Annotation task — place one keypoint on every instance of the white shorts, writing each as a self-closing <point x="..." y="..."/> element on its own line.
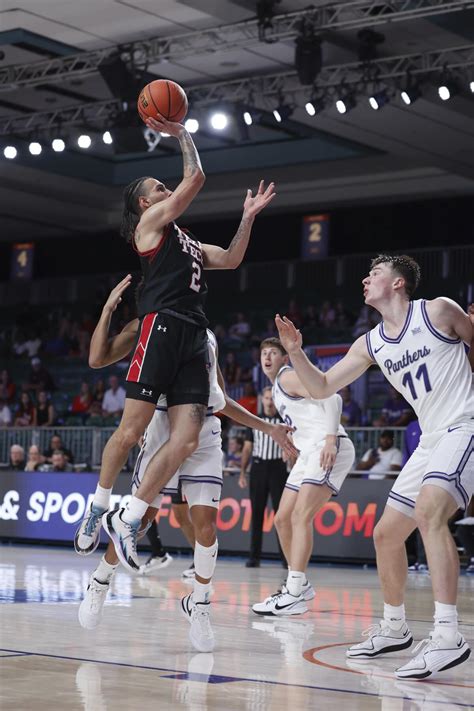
<point x="308" y="470"/>
<point x="443" y="459"/>
<point x="200" y="475"/>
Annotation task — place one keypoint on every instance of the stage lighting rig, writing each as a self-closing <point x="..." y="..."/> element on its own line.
<point x="265" y="13"/>
<point x="308" y="55"/>
<point x="368" y="43"/>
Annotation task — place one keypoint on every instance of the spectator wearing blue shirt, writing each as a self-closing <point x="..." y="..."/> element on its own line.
<point x="351" y="414"/>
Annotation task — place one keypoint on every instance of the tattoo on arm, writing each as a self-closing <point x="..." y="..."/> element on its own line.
<point x="243" y="232"/>
<point x="191" y="160"/>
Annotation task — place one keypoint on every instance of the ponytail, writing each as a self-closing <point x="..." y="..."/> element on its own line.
<point x="131" y="210"/>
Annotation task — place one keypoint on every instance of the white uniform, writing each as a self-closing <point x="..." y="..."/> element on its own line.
<point x="200" y="475"/>
<point x="432" y="372"/>
<point x="313" y="420"/>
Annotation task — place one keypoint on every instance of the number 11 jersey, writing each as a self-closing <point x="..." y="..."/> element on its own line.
<point x="430" y="369"/>
<point x="174" y="278"/>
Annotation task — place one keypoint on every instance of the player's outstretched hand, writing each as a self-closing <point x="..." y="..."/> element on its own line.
<point x="290" y="337"/>
<point x="115" y="296"/>
<point x="328" y="456"/>
<point x="161" y="125"/>
<point x="255" y="203"/>
<point x="279" y="434"/>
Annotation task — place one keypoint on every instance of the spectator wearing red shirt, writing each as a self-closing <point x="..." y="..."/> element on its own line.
<point x="249" y="399"/>
<point x="82" y="402"/>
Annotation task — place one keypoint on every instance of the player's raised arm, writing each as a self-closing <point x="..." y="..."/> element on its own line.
<point x="321" y="385"/>
<point x="160" y="214"/>
<point x="104" y="350"/>
<point x="218" y="258"/>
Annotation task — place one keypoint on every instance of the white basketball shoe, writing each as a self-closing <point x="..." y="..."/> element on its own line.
<point x="381" y="639"/>
<point x="435" y="654"/>
<point x="198" y="615"/>
<point x="281" y="604"/>
<point x="90" y="609"/>
<point x="87" y="536"/>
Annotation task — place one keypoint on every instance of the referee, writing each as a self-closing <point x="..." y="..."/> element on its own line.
<point x="268" y="475"/>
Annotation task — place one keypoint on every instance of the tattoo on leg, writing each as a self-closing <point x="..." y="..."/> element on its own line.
<point x="198" y="413"/>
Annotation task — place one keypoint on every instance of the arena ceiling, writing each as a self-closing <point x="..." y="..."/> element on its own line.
<point x="53" y="83"/>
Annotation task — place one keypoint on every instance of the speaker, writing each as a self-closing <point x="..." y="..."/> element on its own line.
<point x="120" y="80"/>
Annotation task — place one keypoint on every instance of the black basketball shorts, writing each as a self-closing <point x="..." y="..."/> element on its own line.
<point x="171" y="357"/>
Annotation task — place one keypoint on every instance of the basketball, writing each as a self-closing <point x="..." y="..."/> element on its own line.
<point x="164" y="97"/>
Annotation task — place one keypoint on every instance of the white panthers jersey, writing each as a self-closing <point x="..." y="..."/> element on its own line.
<point x="308" y="417"/>
<point x="216" y="396"/>
<point x="427" y="367"/>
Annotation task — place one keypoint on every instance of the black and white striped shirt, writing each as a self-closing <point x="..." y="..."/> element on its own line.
<point x="264" y="446"/>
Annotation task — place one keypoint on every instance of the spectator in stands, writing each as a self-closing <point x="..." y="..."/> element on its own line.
<point x="327" y="315"/>
<point x="384" y="459"/>
<point x="396" y="412"/>
<point x="45" y="414"/>
<point x="240" y="330"/>
<point x="343" y="318"/>
<point x="269" y="331"/>
<point x="294" y="313"/>
<point x="311" y="317"/>
<point x="366" y="320"/>
<point x="114" y="399"/>
<point x="35" y="459"/>
<point x="81" y="403"/>
<point x="231" y="370"/>
<point x="39" y="378"/>
<point x="98" y="392"/>
<point x="415" y="541"/>
<point x="25" y="415"/>
<point x="60" y="463"/>
<point x="7" y="388"/>
<point x="249" y="399"/>
<point x="351" y="414"/>
<point x="30" y="346"/>
<point x="56" y="444"/>
<point x="17" y="457"/>
<point x="5" y="413"/>
<point x="234" y="453"/>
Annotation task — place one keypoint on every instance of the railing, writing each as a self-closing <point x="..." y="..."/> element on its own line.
<point x="87" y="443"/>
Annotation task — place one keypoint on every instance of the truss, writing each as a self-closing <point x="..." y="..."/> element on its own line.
<point x="259" y="91"/>
<point x="344" y="15"/>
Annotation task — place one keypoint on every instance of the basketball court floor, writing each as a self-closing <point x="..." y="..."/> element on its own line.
<point x="140" y="657"/>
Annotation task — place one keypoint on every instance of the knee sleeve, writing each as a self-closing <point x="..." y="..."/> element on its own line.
<point x="205" y="560"/>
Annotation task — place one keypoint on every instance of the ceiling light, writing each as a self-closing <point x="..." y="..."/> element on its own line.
<point x="411" y="91"/>
<point x="219" y="121"/>
<point x="310" y="109"/>
<point x="107" y="138"/>
<point x="447" y="89"/>
<point x="277" y="115"/>
<point x="283" y="111"/>
<point x="191" y="125"/>
<point x="84" y="141"/>
<point x="471" y="86"/>
<point x="58" y="145"/>
<point x="346" y="103"/>
<point x="35" y="148"/>
<point x="379" y="99"/>
<point x="10" y="152"/>
<point x="248" y="118"/>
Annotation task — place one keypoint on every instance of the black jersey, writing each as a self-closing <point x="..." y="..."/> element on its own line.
<point x="174" y="282"/>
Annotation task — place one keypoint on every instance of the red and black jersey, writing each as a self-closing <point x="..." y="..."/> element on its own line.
<point x="174" y="282"/>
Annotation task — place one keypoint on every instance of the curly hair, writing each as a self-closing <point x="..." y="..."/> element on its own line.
<point x="131" y="210"/>
<point x="404" y="266"/>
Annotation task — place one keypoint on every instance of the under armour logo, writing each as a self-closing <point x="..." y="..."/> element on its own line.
<point x="162" y="328"/>
<point x="149" y="393"/>
<point x="416" y="331"/>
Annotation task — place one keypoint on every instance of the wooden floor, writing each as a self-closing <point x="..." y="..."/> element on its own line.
<point x="140" y="657"/>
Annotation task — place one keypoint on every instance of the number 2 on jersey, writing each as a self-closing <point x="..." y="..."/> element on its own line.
<point x="422" y="372"/>
<point x="195" y="284"/>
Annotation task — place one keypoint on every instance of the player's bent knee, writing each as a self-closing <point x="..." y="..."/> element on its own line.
<point x="428" y="517"/>
<point x="127" y="436"/>
<point x="206" y="533"/>
<point x="301" y="516"/>
<point x="385" y="535"/>
<point x="281" y="520"/>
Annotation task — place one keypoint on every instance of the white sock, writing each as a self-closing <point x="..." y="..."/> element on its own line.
<point x="104" y="571"/>
<point x="102" y="497"/>
<point x="201" y="591"/>
<point x="394" y="615"/>
<point x="445" y="621"/>
<point x="205" y="558"/>
<point x="294" y="582"/>
<point x="135" y="510"/>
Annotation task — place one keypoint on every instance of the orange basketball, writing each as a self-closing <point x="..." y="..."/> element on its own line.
<point x="164" y="97"/>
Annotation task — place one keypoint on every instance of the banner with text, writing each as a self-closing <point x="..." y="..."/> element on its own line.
<point x="49" y="506"/>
